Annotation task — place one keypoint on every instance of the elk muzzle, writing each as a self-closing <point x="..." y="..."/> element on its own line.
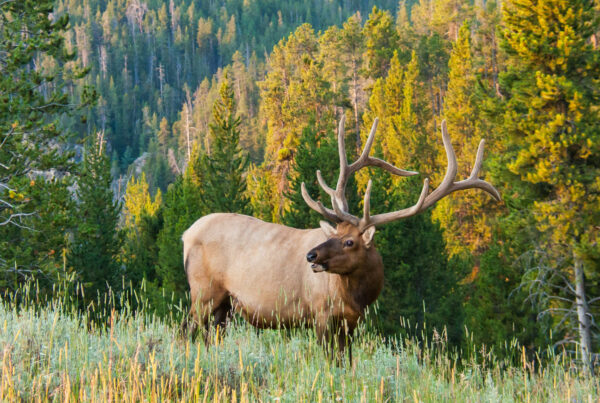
<point x="311" y="257"/>
<point x="320" y="255"/>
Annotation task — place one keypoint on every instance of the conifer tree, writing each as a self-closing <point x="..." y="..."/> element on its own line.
<point x="421" y="286"/>
<point x="263" y="194"/>
<point x="466" y="216"/>
<point x="381" y="42"/>
<point x="316" y="151"/>
<point x="294" y="90"/>
<point x="33" y="158"/>
<point x="143" y="221"/>
<point x="551" y="121"/>
<point x="138" y="200"/>
<point x="224" y="187"/>
<point x="352" y="43"/>
<point x="182" y="207"/>
<point x="97" y="241"/>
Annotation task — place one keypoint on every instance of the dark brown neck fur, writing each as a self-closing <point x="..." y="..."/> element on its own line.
<point x="362" y="287"/>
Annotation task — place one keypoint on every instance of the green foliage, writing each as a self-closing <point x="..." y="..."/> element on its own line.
<point x="316" y="151"/>
<point x="143" y="222"/>
<point x="182" y="207"/>
<point x="381" y="41"/>
<point x="141" y="249"/>
<point x="550" y="120"/>
<point x="552" y="84"/>
<point x="93" y="253"/>
<point x="223" y="168"/>
<point x="496" y="310"/>
<point x="421" y="285"/>
<point x="34" y="201"/>
<point x="37" y="250"/>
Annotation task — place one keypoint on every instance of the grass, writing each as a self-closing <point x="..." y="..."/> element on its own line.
<point x="51" y="353"/>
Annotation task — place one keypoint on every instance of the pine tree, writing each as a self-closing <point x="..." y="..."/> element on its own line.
<point x="294" y="91"/>
<point x="421" y="286"/>
<point x="352" y="44"/>
<point x="37" y="253"/>
<point x="97" y="241"/>
<point x="33" y="159"/>
<point x="182" y="207"/>
<point x="138" y="201"/>
<point x="466" y="216"/>
<point x="381" y="42"/>
<point x="143" y="221"/>
<point x="420" y="283"/>
<point x="316" y="151"/>
<point x="224" y="188"/>
<point x="551" y="122"/>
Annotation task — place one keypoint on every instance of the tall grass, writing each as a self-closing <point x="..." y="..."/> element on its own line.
<point x="51" y="352"/>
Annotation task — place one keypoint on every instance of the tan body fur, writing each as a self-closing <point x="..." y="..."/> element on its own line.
<point x="260" y="270"/>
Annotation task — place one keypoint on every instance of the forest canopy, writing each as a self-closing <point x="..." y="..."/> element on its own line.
<point x="123" y="122"/>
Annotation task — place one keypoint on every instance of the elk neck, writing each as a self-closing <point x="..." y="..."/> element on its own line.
<point x="361" y="287"/>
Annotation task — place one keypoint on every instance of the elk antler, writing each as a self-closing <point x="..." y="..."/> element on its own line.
<point x="338" y="198"/>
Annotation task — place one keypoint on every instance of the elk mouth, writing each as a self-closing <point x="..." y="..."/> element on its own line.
<point x="319" y="267"/>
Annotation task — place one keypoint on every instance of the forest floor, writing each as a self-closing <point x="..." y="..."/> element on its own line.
<point x="49" y="353"/>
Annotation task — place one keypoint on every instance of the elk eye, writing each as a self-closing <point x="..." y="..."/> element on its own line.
<point x="349" y="243"/>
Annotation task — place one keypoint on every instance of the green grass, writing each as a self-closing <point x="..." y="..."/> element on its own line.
<point x="50" y="353"/>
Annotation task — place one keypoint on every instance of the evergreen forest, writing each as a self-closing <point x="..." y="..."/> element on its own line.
<point x="122" y="122"/>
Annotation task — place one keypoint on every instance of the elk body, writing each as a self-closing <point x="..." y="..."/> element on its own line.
<point x="275" y="275"/>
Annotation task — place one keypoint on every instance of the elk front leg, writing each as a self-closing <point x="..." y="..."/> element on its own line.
<point x="335" y="334"/>
<point x="343" y="332"/>
<point x="344" y="340"/>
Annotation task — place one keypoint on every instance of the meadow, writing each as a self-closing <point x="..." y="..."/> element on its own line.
<point x="50" y="351"/>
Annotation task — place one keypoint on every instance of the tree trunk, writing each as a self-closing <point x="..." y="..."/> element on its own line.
<point x="355" y="103"/>
<point x="583" y="315"/>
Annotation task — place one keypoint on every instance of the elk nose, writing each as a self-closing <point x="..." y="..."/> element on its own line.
<point x="311" y="256"/>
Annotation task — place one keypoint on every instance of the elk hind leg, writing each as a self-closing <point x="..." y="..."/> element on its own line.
<point x="222" y="314"/>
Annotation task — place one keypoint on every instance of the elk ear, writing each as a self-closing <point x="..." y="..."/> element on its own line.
<point x="368" y="235"/>
<point x="327" y="229"/>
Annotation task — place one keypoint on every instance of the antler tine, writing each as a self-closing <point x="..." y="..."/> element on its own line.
<point x="478" y="160"/>
<point x="367" y="149"/>
<point x="340" y="188"/>
<point x="318" y="206"/>
<point x="342" y="142"/>
<point x="367" y="203"/>
<point x="343" y="215"/>
<point x="381" y="219"/>
<point x="324" y="185"/>
<point x="365" y="160"/>
<point x="474" y="181"/>
<point x="446" y="187"/>
<point x="450" y="170"/>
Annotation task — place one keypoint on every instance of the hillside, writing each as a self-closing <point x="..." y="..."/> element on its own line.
<point x="122" y="122"/>
<point x="48" y="354"/>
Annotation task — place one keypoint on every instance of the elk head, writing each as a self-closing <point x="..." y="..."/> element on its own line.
<point x="349" y="246"/>
<point x="345" y="250"/>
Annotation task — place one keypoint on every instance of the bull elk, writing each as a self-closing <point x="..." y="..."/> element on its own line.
<point x="277" y="276"/>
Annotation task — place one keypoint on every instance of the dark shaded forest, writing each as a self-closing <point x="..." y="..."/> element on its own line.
<point x="124" y="121"/>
